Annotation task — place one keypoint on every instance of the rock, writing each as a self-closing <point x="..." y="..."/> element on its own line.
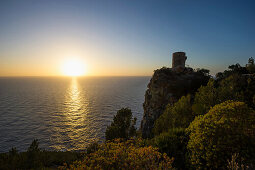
<point x="167" y="86"/>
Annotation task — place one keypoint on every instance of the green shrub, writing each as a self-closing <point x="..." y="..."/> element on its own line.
<point x="177" y="116"/>
<point x="232" y="88"/>
<point x="35" y="158"/>
<point x="123" y="126"/>
<point x="251" y="66"/>
<point x="93" y="147"/>
<point x="122" y="154"/>
<point x="226" y="129"/>
<point x="174" y="144"/>
<point x="205" y="98"/>
<point x="236" y="163"/>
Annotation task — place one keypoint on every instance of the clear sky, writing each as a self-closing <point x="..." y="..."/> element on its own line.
<point x="118" y="37"/>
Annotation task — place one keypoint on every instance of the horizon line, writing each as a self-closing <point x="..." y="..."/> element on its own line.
<point x="79" y="76"/>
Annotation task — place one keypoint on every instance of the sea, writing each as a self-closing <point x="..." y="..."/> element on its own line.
<point x="64" y="113"/>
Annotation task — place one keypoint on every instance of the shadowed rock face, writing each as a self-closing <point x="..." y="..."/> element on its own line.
<point x="167" y="86"/>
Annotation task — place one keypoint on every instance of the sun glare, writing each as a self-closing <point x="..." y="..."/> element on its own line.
<point x="73" y="68"/>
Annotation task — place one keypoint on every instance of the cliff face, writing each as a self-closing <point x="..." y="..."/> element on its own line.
<point x="167" y="86"/>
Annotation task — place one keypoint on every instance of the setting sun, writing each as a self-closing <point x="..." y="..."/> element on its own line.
<point x="73" y="67"/>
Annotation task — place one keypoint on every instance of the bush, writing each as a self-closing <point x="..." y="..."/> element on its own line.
<point x="93" y="147"/>
<point x="205" y="98"/>
<point x="251" y="66"/>
<point x="36" y="158"/>
<point x="235" y="163"/>
<point x="177" y="116"/>
<point x="130" y="154"/>
<point x="232" y="88"/>
<point x="174" y="144"/>
<point x="123" y="126"/>
<point x="203" y="71"/>
<point x="226" y="129"/>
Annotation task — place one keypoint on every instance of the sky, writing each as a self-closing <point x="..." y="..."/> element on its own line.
<point x="123" y="38"/>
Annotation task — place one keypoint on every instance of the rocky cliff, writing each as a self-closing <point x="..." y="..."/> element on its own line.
<point x="167" y="86"/>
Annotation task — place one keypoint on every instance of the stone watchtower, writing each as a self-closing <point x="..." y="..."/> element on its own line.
<point x="178" y="60"/>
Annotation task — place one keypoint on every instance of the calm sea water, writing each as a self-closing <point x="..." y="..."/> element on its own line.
<point x="64" y="113"/>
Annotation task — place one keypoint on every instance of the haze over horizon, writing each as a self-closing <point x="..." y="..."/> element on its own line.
<point x="122" y="38"/>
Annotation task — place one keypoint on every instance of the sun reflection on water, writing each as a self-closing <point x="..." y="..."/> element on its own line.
<point x="76" y="114"/>
<point x="74" y="97"/>
<point x="72" y="130"/>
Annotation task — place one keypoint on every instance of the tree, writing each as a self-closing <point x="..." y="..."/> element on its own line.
<point x="251" y="61"/>
<point x="251" y="66"/>
<point x="123" y="126"/>
<point x="205" y="98"/>
<point x="226" y="129"/>
<point x="232" y="88"/>
<point x="203" y="71"/>
<point x="33" y="155"/>
<point x="178" y="115"/>
<point x="34" y="147"/>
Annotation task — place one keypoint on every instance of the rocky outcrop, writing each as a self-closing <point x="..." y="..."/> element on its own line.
<point x="167" y="86"/>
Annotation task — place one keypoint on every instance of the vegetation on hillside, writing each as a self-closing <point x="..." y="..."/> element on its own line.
<point x="218" y="122"/>
<point x="36" y="158"/>
<point x="225" y="130"/>
<point x="178" y="115"/>
<point x="124" y="154"/>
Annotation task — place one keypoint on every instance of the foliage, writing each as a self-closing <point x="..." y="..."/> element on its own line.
<point x="118" y="154"/>
<point x="205" y="98"/>
<point x="93" y="147"/>
<point x="203" y="71"/>
<point x="251" y="66"/>
<point x="251" y="61"/>
<point x="33" y="155"/>
<point x="233" y="164"/>
<point x="232" y="69"/>
<point x="234" y="87"/>
<point x="34" y="147"/>
<point x="226" y="129"/>
<point x="237" y="87"/>
<point x="164" y="70"/>
<point x="123" y="126"/>
<point x="237" y="69"/>
<point x="35" y="158"/>
<point x="173" y="143"/>
<point x="178" y="115"/>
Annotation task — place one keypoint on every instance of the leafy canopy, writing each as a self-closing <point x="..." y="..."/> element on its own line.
<point x="226" y="129"/>
<point x="173" y="143"/>
<point x="123" y="126"/>
<point x="130" y="154"/>
<point x="178" y="115"/>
